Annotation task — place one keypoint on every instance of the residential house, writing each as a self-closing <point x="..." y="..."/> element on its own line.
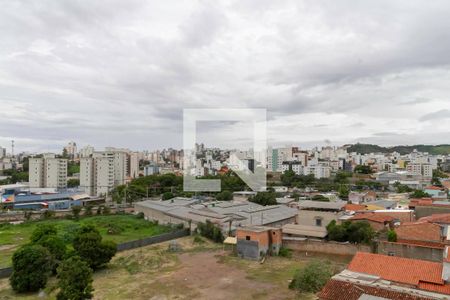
<point x="378" y="221"/>
<point x="420" y="233"/>
<point x="436" y="192"/>
<point x="375" y="276"/>
<point x="361" y="197"/>
<point x="255" y="242"/>
<point x="319" y="213"/>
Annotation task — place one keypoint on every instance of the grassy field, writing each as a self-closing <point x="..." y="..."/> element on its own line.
<point x="127" y="228"/>
<point x="197" y="271"/>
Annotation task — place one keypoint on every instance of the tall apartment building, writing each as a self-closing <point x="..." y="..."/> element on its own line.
<point x="48" y="172"/>
<point x="426" y="170"/>
<point x="2" y="152"/>
<point x="71" y="149"/>
<point x="107" y="169"/>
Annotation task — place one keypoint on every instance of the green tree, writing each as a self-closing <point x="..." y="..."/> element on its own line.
<point x="56" y="246"/>
<point x="43" y="230"/>
<point x="74" y="280"/>
<point x="362" y="169"/>
<point x="392" y="236"/>
<point x="320" y="198"/>
<point x="401" y="188"/>
<point x="32" y="266"/>
<point x="264" y="198"/>
<point x="312" y="277"/>
<point x="167" y="196"/>
<point x="210" y="231"/>
<point x="224" y="195"/>
<point x="355" y="232"/>
<point x="76" y="210"/>
<point x="73" y="182"/>
<point x="89" y="246"/>
<point x="88" y="210"/>
<point x="343" y="191"/>
<point x="419" y="194"/>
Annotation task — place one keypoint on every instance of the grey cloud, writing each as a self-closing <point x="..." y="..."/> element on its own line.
<point x="116" y="72"/>
<point x="437" y="115"/>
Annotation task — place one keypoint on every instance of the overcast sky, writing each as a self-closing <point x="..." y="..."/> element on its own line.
<point x="120" y="73"/>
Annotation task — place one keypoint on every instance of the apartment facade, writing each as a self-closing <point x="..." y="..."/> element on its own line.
<point x="48" y="172"/>
<point x="104" y="170"/>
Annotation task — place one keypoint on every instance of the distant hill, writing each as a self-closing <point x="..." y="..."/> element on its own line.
<point x="369" y="148"/>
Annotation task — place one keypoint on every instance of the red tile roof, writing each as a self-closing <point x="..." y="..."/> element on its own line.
<point x="374" y="217"/>
<point x="354" y="207"/>
<point x="419" y="231"/>
<point x="341" y="290"/>
<point x="432" y="187"/>
<point x="418" y="273"/>
<point x="425" y="202"/>
<point x="437" y="218"/>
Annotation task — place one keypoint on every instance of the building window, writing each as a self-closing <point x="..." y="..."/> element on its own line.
<point x="247" y="238"/>
<point x="318" y="222"/>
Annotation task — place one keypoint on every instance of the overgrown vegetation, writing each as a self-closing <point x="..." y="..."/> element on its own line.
<point x="392" y="236"/>
<point x="210" y="231"/>
<point x="131" y="228"/>
<point x="34" y="262"/>
<point x="264" y="198"/>
<point x="312" y="277"/>
<point x="354" y="232"/>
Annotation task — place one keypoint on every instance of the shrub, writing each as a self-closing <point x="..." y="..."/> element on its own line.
<point x="312" y="277"/>
<point x="43" y="230"/>
<point x="225" y="195"/>
<point x="265" y="198"/>
<point x="114" y="229"/>
<point x="106" y="210"/>
<point x="285" y="252"/>
<point x="198" y="240"/>
<point x="89" y="246"/>
<point x="31" y="268"/>
<point x="48" y="214"/>
<point x="392" y="236"/>
<point x="210" y="231"/>
<point x="355" y="232"/>
<point x="88" y="210"/>
<point x="76" y="210"/>
<point x="74" y="280"/>
<point x="167" y="196"/>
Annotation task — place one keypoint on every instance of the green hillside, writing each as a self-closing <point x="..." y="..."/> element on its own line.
<point x="370" y="148"/>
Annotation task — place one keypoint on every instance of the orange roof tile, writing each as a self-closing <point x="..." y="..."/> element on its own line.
<point x="419" y="231"/>
<point x="432" y="187"/>
<point x="354" y="207"/>
<point x="374" y="217"/>
<point x="341" y="290"/>
<point x="437" y="218"/>
<point x="419" y="273"/>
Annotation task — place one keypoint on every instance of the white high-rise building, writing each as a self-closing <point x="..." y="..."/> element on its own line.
<point x="48" y="172"/>
<point x="107" y="169"/>
<point x="133" y="164"/>
<point x="86" y="151"/>
<point x="71" y="149"/>
<point x="2" y="152"/>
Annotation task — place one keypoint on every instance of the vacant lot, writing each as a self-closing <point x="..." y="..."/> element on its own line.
<point x="124" y="227"/>
<point x="198" y="271"/>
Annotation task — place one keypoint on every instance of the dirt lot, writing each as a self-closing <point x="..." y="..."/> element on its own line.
<point x="198" y="271"/>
